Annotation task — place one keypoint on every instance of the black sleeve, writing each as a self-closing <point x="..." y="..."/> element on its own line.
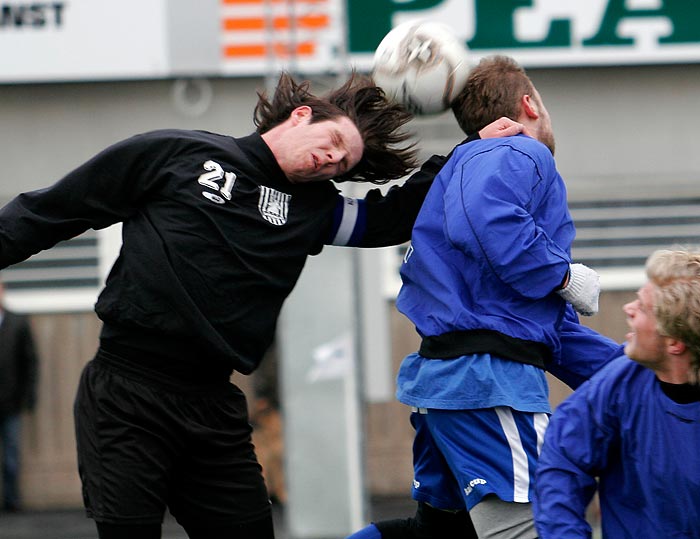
<point x="103" y="191"/>
<point x="390" y="218"/>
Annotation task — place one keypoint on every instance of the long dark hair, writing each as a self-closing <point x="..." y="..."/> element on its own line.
<point x="379" y="121"/>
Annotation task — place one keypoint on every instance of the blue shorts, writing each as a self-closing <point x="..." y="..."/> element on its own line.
<point x="460" y="456"/>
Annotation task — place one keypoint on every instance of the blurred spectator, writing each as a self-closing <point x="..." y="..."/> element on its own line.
<point x="18" y="376"/>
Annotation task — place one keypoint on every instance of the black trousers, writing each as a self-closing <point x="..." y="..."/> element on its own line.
<point x="147" y="442"/>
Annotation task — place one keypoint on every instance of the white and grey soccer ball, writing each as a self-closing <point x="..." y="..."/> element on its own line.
<point x="421" y="65"/>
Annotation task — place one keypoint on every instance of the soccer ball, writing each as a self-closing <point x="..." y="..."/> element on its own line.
<point x="421" y="65"/>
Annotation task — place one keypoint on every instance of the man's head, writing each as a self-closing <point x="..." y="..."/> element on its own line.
<point x="498" y="86"/>
<point x="352" y="133"/>
<point x="665" y="317"/>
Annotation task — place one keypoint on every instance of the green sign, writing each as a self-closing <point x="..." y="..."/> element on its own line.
<point x="669" y="31"/>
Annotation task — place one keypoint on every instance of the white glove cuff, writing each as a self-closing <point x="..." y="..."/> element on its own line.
<point x="575" y="286"/>
<point x="582" y="290"/>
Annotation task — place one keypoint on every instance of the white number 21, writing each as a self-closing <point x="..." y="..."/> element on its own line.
<point x="209" y="179"/>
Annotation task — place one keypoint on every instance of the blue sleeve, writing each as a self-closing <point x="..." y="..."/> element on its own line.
<point x="576" y="446"/>
<point x="488" y="206"/>
<point x="583" y="351"/>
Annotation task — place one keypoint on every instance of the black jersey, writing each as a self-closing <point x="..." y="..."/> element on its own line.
<point x="214" y="239"/>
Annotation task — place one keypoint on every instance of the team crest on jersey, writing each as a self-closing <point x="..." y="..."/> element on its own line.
<point x="273" y="205"/>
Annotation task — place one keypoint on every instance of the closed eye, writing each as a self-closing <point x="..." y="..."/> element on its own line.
<point x="339" y="141"/>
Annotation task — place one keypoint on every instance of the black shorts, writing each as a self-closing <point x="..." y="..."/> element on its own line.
<point x="145" y="443"/>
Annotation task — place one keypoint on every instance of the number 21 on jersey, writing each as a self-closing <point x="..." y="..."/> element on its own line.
<point x="209" y="179"/>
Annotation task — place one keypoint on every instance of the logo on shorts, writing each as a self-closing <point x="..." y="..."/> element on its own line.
<point x="273" y="205"/>
<point x="472" y="484"/>
<point x="416" y="483"/>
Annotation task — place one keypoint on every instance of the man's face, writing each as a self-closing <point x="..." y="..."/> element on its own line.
<point x="318" y="151"/>
<point x="545" y="133"/>
<point x="644" y="343"/>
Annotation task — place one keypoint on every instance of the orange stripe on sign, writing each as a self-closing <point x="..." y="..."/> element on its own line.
<point x="257" y="23"/>
<point x="257" y="50"/>
<point x="308" y="22"/>
<point x="237" y="51"/>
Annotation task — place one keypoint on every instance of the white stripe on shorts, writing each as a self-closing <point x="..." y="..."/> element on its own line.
<point x="521" y="470"/>
<point x="541" y="421"/>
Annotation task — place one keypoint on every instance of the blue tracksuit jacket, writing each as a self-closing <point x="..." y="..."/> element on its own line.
<point x="620" y="427"/>
<point x="491" y="244"/>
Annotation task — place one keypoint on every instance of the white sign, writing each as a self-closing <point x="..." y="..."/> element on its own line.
<point x="332" y="360"/>
<point x="82" y="39"/>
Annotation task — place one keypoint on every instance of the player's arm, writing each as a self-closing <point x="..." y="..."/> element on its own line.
<point x="576" y="448"/>
<point x="583" y="351"/>
<point x="379" y="220"/>
<point x="103" y="191"/>
<point x="488" y="214"/>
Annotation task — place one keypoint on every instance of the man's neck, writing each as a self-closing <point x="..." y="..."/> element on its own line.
<point x="674" y="369"/>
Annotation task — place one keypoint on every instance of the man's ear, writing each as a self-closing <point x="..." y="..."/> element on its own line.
<point x="529" y="106"/>
<point x="675" y="347"/>
<point x="301" y="114"/>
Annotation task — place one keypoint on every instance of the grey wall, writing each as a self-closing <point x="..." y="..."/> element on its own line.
<point x="619" y="127"/>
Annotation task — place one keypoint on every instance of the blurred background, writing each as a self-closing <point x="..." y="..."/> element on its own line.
<point x="621" y="80"/>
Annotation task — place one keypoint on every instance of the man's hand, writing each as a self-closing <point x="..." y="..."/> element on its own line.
<point x="503" y="127"/>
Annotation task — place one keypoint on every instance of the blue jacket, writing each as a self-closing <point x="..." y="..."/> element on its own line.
<point x="621" y="428"/>
<point x="491" y="244"/>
